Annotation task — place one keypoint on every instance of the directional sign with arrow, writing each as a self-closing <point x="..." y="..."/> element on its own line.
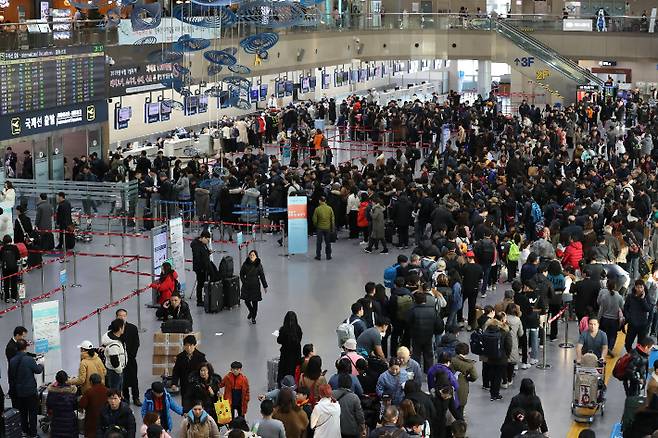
<point x="525" y="61"/>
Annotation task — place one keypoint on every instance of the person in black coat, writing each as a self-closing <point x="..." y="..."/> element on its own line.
<point x="116" y="415"/>
<point x="187" y="362"/>
<point x="175" y="308"/>
<point x="9" y="257"/>
<point x="63" y="219"/>
<point x="527" y="401"/>
<point x="252" y="276"/>
<point x="423" y="323"/>
<point x="22" y="225"/>
<point x="205" y="387"/>
<point x="62" y="402"/>
<point x="401" y="215"/>
<point x="201" y="263"/>
<point x="130" y="339"/>
<point x="290" y="339"/>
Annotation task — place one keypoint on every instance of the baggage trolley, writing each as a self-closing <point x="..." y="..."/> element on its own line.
<point x="588" y="396"/>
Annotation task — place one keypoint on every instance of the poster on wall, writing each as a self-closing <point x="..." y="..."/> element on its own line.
<point x="177" y="248"/>
<point x="159" y="253"/>
<point x="297" y="225"/>
<point x="45" y="326"/>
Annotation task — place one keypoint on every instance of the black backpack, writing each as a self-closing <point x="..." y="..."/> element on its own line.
<point x="492" y="344"/>
<point x="226" y="267"/>
<point x="476" y="342"/>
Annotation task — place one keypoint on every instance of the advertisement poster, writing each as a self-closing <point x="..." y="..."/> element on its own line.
<point x="297" y="225"/>
<point x="177" y="248"/>
<point x="159" y="254"/>
<point x="45" y="320"/>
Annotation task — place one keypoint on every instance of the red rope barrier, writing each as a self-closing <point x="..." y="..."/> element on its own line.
<point x="32" y="268"/>
<point x="163" y="219"/>
<point x="30" y="301"/>
<point x="559" y="314"/>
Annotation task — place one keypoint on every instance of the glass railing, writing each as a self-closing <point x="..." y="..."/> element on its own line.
<point x="27" y="35"/>
<point x="564" y="65"/>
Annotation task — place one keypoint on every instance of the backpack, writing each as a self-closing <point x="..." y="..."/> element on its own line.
<point x="492" y="344"/>
<point x="429" y="266"/>
<point x="537" y="215"/>
<point x="345" y="331"/>
<point x="390" y="274"/>
<point x="476" y="342"/>
<point x="404" y="302"/>
<point x="513" y="253"/>
<point x="619" y="371"/>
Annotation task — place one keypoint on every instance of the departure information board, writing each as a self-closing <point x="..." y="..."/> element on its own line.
<point x="39" y="79"/>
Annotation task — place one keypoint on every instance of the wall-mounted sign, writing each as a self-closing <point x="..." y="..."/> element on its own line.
<point x="525" y="61"/>
<point x="542" y="75"/>
<point x="608" y="63"/>
<point x="577" y="25"/>
<point x="35" y="122"/>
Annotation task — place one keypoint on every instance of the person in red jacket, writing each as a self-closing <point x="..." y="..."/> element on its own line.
<point x="362" y="218"/>
<point x="573" y="253"/>
<point x="166" y="284"/>
<point x="236" y="390"/>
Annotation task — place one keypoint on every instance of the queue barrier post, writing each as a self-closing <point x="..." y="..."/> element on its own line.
<point x="100" y="330"/>
<point x="42" y="276"/>
<point x="75" y="271"/>
<point x="123" y="247"/>
<point x="64" y="321"/>
<point x="139" y="302"/>
<point x="109" y="237"/>
<point x="543" y="365"/>
<point x="22" y="314"/>
<point x="566" y="343"/>
<point x="111" y="287"/>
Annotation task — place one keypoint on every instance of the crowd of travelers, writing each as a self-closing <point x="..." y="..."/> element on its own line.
<point x="559" y="204"/>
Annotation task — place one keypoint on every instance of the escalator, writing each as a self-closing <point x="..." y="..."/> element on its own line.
<point x="553" y="71"/>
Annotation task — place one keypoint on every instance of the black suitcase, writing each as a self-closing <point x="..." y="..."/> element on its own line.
<point x="34" y="258"/>
<point x="226" y="267"/>
<point x="148" y="224"/>
<point x="389" y="231"/>
<point x="69" y="240"/>
<point x="231" y="291"/>
<point x="176" y="326"/>
<point x="213" y="296"/>
<point x="47" y="241"/>
<point x="11" y="423"/>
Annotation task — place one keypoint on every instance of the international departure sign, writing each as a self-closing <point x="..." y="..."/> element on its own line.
<point x="297" y="225"/>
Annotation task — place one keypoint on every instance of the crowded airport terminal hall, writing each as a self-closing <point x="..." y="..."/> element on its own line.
<point x="329" y="218"/>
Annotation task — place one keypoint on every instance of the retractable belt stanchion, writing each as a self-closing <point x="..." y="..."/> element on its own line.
<point x="42" y="277"/>
<point x="22" y="314"/>
<point x="566" y="343"/>
<point x="100" y="330"/>
<point x="111" y="288"/>
<point x="543" y="365"/>
<point x="65" y="321"/>
<point x="139" y="302"/>
<point x="75" y="271"/>
<point x="109" y="237"/>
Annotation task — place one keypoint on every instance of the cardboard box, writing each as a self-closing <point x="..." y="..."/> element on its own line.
<point x="163" y="360"/>
<point x="167" y="349"/>
<point x="159" y="370"/>
<point x="174" y="338"/>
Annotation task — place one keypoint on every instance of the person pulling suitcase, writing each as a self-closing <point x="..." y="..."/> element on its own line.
<point x="201" y="264"/>
<point x="252" y="276"/>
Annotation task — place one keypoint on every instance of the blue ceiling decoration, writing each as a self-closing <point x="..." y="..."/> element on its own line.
<point x="214" y="91"/>
<point x="177" y="84"/>
<point x="173" y="104"/>
<point x="146" y="40"/>
<point x="263" y="55"/>
<point x="214" y="69"/>
<point x="272" y="14"/>
<point x="164" y="56"/>
<point x="239" y="69"/>
<point x="213" y="3"/>
<point x="84" y="5"/>
<point x="232" y="50"/>
<point x="146" y="16"/>
<point x="203" y="16"/>
<point x="237" y="81"/>
<point x="219" y="57"/>
<point x="259" y="42"/>
<point x="188" y="44"/>
<point x="180" y="71"/>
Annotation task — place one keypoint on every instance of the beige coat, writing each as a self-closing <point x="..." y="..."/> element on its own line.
<point x="206" y="429"/>
<point x="88" y="366"/>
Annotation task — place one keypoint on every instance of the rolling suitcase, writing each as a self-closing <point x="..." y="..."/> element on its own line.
<point x="231" y="291"/>
<point x="11" y="424"/>
<point x="47" y="241"/>
<point x="226" y="267"/>
<point x="272" y="372"/>
<point x="213" y="296"/>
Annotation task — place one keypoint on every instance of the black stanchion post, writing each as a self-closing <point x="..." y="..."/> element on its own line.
<point x="111" y="288"/>
<point x="543" y="365"/>
<point x="100" y="330"/>
<point x="75" y="271"/>
<point x="566" y="343"/>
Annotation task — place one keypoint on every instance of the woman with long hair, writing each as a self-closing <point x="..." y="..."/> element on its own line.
<point x="290" y="339"/>
<point x="313" y="378"/>
<point x="294" y="419"/>
<point x="166" y="283"/>
<point x="528" y="401"/>
<point x="252" y="276"/>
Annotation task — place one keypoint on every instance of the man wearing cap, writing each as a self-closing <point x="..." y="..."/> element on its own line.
<point x="349" y="351"/>
<point x="158" y="400"/>
<point x="472" y="274"/>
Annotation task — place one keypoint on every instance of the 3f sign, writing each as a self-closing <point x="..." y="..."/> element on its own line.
<point x="526" y="61"/>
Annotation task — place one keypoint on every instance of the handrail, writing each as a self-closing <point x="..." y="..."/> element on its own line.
<point x="566" y="65"/>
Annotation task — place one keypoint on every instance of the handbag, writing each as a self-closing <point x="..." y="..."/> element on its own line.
<point x="333" y="237"/>
<point x="223" y="411"/>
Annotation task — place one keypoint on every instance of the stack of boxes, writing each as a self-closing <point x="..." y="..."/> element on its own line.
<point x="166" y="347"/>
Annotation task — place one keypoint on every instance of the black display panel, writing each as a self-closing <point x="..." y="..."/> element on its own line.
<point x="39" y="79"/>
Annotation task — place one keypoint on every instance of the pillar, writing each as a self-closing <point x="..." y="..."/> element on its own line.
<point x="484" y="78"/>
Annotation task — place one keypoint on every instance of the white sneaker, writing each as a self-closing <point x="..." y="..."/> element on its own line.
<point x="516" y="367"/>
<point x="363" y="243"/>
<point x="504" y="385"/>
<point x="525" y="366"/>
<point x="533" y="361"/>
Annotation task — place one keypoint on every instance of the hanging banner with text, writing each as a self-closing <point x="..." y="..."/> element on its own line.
<point x="45" y="323"/>
<point x="177" y="248"/>
<point x="297" y="225"/>
<point x="159" y="254"/>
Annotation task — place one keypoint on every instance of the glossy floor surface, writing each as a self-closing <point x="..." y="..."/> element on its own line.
<point x="321" y="293"/>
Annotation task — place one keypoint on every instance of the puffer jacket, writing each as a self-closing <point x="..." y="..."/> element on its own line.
<point x="516" y="331"/>
<point x="572" y="255"/>
<point x="424" y="322"/>
<point x="62" y="403"/>
<point x="115" y="353"/>
<point x="168" y="404"/>
<point x="204" y="427"/>
<point x="392" y="385"/>
<point x="88" y="366"/>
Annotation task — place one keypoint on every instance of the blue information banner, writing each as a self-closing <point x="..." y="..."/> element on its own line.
<point x="297" y="225"/>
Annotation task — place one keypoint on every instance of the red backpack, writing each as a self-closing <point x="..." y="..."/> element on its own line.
<point x="619" y="371"/>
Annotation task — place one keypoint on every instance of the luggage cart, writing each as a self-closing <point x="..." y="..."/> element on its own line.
<point x="588" y="396"/>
